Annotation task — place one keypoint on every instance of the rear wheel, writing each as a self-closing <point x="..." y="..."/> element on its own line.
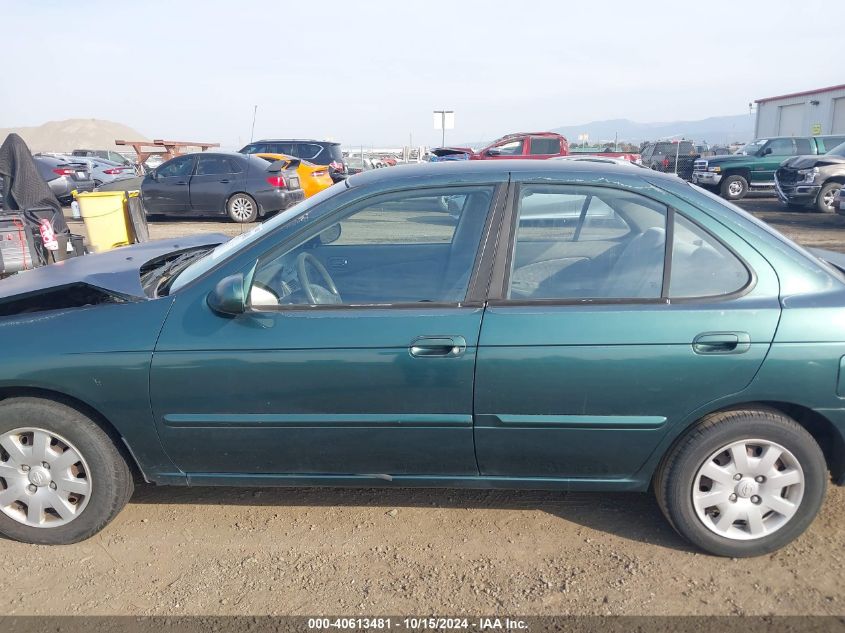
<point x="742" y="483"/>
<point x="61" y="477"/>
<point x="733" y="187"/>
<point x="242" y="208"/>
<point x="824" y="201"/>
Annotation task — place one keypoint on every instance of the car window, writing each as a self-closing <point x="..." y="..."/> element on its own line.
<point x="209" y="165"/>
<point x="701" y="265"/>
<point x="406" y="247"/>
<point x="802" y="146"/>
<point x="511" y="148"/>
<point x="587" y="243"/>
<point x="180" y="166"/>
<point x="308" y="151"/>
<point x="780" y="147"/>
<point x="831" y="142"/>
<point x="544" y="145"/>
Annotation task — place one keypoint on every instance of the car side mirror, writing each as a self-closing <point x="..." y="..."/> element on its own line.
<point x="153" y="175"/>
<point x="493" y="151"/>
<point x="766" y="151"/>
<point x="228" y="297"/>
<point x="331" y="234"/>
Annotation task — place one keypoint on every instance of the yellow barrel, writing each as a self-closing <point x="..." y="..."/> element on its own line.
<point x="106" y="217"/>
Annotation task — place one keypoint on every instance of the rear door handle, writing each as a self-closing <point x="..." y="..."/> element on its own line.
<point x="721" y="343"/>
<point x="438" y="346"/>
<point x="225" y="180"/>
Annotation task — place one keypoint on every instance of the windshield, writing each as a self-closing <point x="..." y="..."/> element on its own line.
<point x="839" y="150"/>
<point x="753" y="148"/>
<point x="200" y="266"/>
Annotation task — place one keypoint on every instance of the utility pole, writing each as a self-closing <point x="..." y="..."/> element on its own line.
<point x="252" y="131"/>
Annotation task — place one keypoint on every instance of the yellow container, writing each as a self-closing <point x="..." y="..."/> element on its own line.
<point x="106" y="217"/>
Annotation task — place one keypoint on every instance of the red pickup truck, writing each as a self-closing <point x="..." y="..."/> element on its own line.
<point x="537" y="145"/>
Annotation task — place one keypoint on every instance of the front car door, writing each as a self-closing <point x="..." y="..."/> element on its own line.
<point x="593" y="348"/>
<point x="168" y="191"/>
<point x="356" y="356"/>
<point x="215" y="179"/>
<point x="773" y="154"/>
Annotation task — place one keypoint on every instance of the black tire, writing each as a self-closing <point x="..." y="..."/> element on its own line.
<point x="826" y="191"/>
<point x="675" y="478"/>
<point x="734" y="187"/>
<point x="111" y="477"/>
<point x="232" y="208"/>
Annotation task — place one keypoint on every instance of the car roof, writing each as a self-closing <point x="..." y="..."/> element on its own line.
<point x="293" y="140"/>
<point x="461" y="168"/>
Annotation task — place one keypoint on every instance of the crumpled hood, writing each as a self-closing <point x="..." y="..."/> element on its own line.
<point x="807" y="162"/>
<point x="116" y="271"/>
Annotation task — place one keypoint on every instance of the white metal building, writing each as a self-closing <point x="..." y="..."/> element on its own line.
<point x="807" y="113"/>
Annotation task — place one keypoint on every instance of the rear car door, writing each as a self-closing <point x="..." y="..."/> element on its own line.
<point x="592" y="347"/>
<point x="168" y="191"/>
<point x="214" y="180"/>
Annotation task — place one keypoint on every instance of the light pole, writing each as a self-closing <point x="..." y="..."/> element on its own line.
<point x="252" y="131"/>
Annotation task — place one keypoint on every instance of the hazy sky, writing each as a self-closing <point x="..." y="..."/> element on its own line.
<point x="371" y="72"/>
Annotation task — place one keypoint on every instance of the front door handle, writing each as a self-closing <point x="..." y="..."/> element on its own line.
<point x="721" y="343"/>
<point x="438" y="346"/>
<point x="225" y="180"/>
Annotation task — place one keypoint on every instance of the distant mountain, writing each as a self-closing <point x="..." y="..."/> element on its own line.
<point x="718" y="129"/>
<point x="70" y="134"/>
<point x="714" y="130"/>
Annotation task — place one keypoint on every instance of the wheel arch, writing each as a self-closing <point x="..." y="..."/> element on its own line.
<point x="87" y="410"/>
<point x="745" y="172"/>
<point x="820" y="428"/>
<point x="245" y="193"/>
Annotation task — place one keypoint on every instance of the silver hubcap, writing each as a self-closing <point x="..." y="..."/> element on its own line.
<point x="828" y="199"/>
<point x="242" y="208"/>
<point x="735" y="188"/>
<point x="45" y="480"/>
<point x="748" y="489"/>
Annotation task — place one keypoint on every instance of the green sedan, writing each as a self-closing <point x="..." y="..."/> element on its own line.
<point x="529" y="324"/>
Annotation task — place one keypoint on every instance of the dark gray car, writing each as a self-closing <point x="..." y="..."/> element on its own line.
<point x="64" y="177"/>
<point x="244" y="187"/>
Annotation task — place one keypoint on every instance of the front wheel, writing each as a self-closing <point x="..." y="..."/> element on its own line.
<point x="62" y="478"/>
<point x="824" y="202"/>
<point x="242" y="208"/>
<point x="733" y="187"/>
<point x="742" y="483"/>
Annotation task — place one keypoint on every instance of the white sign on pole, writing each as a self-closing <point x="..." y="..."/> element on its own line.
<point x="444" y="120"/>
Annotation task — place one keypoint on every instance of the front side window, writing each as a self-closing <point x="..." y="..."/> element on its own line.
<point x="587" y="243"/>
<point x="512" y="148"/>
<point x="177" y="167"/>
<point x="802" y="146"/>
<point x="414" y="246"/>
<point x="780" y="147"/>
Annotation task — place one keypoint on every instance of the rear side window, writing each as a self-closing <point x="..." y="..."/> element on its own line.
<point x="543" y="145"/>
<point x="701" y="265"/>
<point x="831" y="142"/>
<point x="587" y="243"/>
<point x="307" y="151"/>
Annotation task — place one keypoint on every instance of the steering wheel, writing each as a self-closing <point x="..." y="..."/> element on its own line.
<point x="316" y="294"/>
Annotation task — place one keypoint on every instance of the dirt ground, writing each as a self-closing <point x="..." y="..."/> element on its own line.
<point x="420" y="552"/>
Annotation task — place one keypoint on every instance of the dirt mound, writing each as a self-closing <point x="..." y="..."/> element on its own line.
<point x="70" y="134"/>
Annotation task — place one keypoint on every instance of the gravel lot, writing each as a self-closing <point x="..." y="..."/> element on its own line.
<point x="415" y="552"/>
